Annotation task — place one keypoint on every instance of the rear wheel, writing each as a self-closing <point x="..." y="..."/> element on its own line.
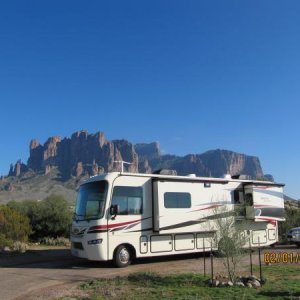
<point x="122" y="257"/>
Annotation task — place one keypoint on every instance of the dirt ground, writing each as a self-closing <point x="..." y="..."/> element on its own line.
<point x="53" y="273"/>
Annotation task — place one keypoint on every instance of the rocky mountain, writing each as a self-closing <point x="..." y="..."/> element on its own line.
<point x="213" y="163"/>
<point x="69" y="160"/>
<point x="81" y="154"/>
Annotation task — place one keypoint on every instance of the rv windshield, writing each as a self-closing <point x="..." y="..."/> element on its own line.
<point x="90" y="201"/>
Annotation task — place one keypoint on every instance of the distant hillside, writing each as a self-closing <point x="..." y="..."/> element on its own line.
<point x="58" y="165"/>
<point x="291" y="203"/>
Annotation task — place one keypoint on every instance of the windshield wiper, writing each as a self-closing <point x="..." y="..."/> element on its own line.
<point x="77" y="215"/>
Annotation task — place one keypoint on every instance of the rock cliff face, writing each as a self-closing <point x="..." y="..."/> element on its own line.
<point x="17" y="169"/>
<point x="85" y="154"/>
<point x="214" y="163"/>
<point x="81" y="154"/>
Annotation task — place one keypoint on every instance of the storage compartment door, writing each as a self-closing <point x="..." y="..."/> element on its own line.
<point x="184" y="242"/>
<point x="161" y="243"/>
<point x="205" y="240"/>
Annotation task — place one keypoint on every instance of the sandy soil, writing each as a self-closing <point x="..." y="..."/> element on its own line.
<point x="53" y="273"/>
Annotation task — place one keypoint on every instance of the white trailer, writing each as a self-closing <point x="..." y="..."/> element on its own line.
<point x="121" y="216"/>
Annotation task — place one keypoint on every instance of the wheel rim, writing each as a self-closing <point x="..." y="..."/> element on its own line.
<point x="124" y="256"/>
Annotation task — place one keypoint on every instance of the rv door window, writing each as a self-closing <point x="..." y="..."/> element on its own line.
<point x="129" y="199"/>
<point x="238" y="196"/>
<point x="177" y="200"/>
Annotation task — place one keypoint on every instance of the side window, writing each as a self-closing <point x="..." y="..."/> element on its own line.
<point x="177" y="200"/>
<point x="129" y="199"/>
<point x="238" y="196"/>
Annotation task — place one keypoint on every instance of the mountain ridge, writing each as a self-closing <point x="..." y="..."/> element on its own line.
<point x="67" y="161"/>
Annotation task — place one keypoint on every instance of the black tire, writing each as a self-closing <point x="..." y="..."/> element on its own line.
<point x="122" y="257"/>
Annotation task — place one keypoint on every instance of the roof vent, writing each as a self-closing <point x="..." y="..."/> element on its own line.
<point x="191" y="175"/>
<point x="242" y="177"/>
<point x="227" y="176"/>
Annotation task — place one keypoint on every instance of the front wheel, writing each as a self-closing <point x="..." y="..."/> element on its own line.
<point x="122" y="257"/>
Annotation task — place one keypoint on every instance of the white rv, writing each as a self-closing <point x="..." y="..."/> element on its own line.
<point x="120" y="216"/>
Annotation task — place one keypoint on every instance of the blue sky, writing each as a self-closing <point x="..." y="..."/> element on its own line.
<point x="193" y="75"/>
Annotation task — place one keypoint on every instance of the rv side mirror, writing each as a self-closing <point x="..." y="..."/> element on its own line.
<point x="114" y="210"/>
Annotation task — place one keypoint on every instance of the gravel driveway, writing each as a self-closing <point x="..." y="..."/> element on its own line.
<point x="48" y="273"/>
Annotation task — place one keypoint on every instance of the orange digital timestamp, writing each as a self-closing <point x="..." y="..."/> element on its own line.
<point x="281" y="258"/>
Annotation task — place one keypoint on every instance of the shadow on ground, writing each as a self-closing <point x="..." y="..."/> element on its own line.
<point x="62" y="259"/>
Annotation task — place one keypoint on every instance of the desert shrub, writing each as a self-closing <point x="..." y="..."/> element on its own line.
<point x="14" y="227"/>
<point x="19" y="246"/>
<point x="55" y="217"/>
<point x="59" y="241"/>
<point x="5" y="242"/>
<point x="50" y="217"/>
<point x="26" y="207"/>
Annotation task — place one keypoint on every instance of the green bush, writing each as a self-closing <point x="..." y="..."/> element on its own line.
<point x="4" y="242"/>
<point x="14" y="227"/>
<point x="56" y="217"/>
<point x="50" y="217"/>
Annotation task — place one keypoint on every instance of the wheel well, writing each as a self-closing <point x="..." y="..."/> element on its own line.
<point x="130" y="248"/>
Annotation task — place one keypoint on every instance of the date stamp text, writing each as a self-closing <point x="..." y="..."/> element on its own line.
<point x="281" y="257"/>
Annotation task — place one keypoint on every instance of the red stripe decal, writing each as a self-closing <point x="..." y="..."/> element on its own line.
<point x="113" y="225"/>
<point x="271" y="221"/>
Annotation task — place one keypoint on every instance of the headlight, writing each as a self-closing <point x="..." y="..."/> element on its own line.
<point x="95" y="242"/>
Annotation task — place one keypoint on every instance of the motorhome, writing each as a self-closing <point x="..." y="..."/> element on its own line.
<point x="120" y="216"/>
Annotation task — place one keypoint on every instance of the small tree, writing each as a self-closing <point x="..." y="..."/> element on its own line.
<point x="230" y="239"/>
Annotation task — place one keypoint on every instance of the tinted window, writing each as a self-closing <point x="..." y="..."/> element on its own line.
<point x="238" y="196"/>
<point x="177" y="200"/>
<point x="129" y="199"/>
